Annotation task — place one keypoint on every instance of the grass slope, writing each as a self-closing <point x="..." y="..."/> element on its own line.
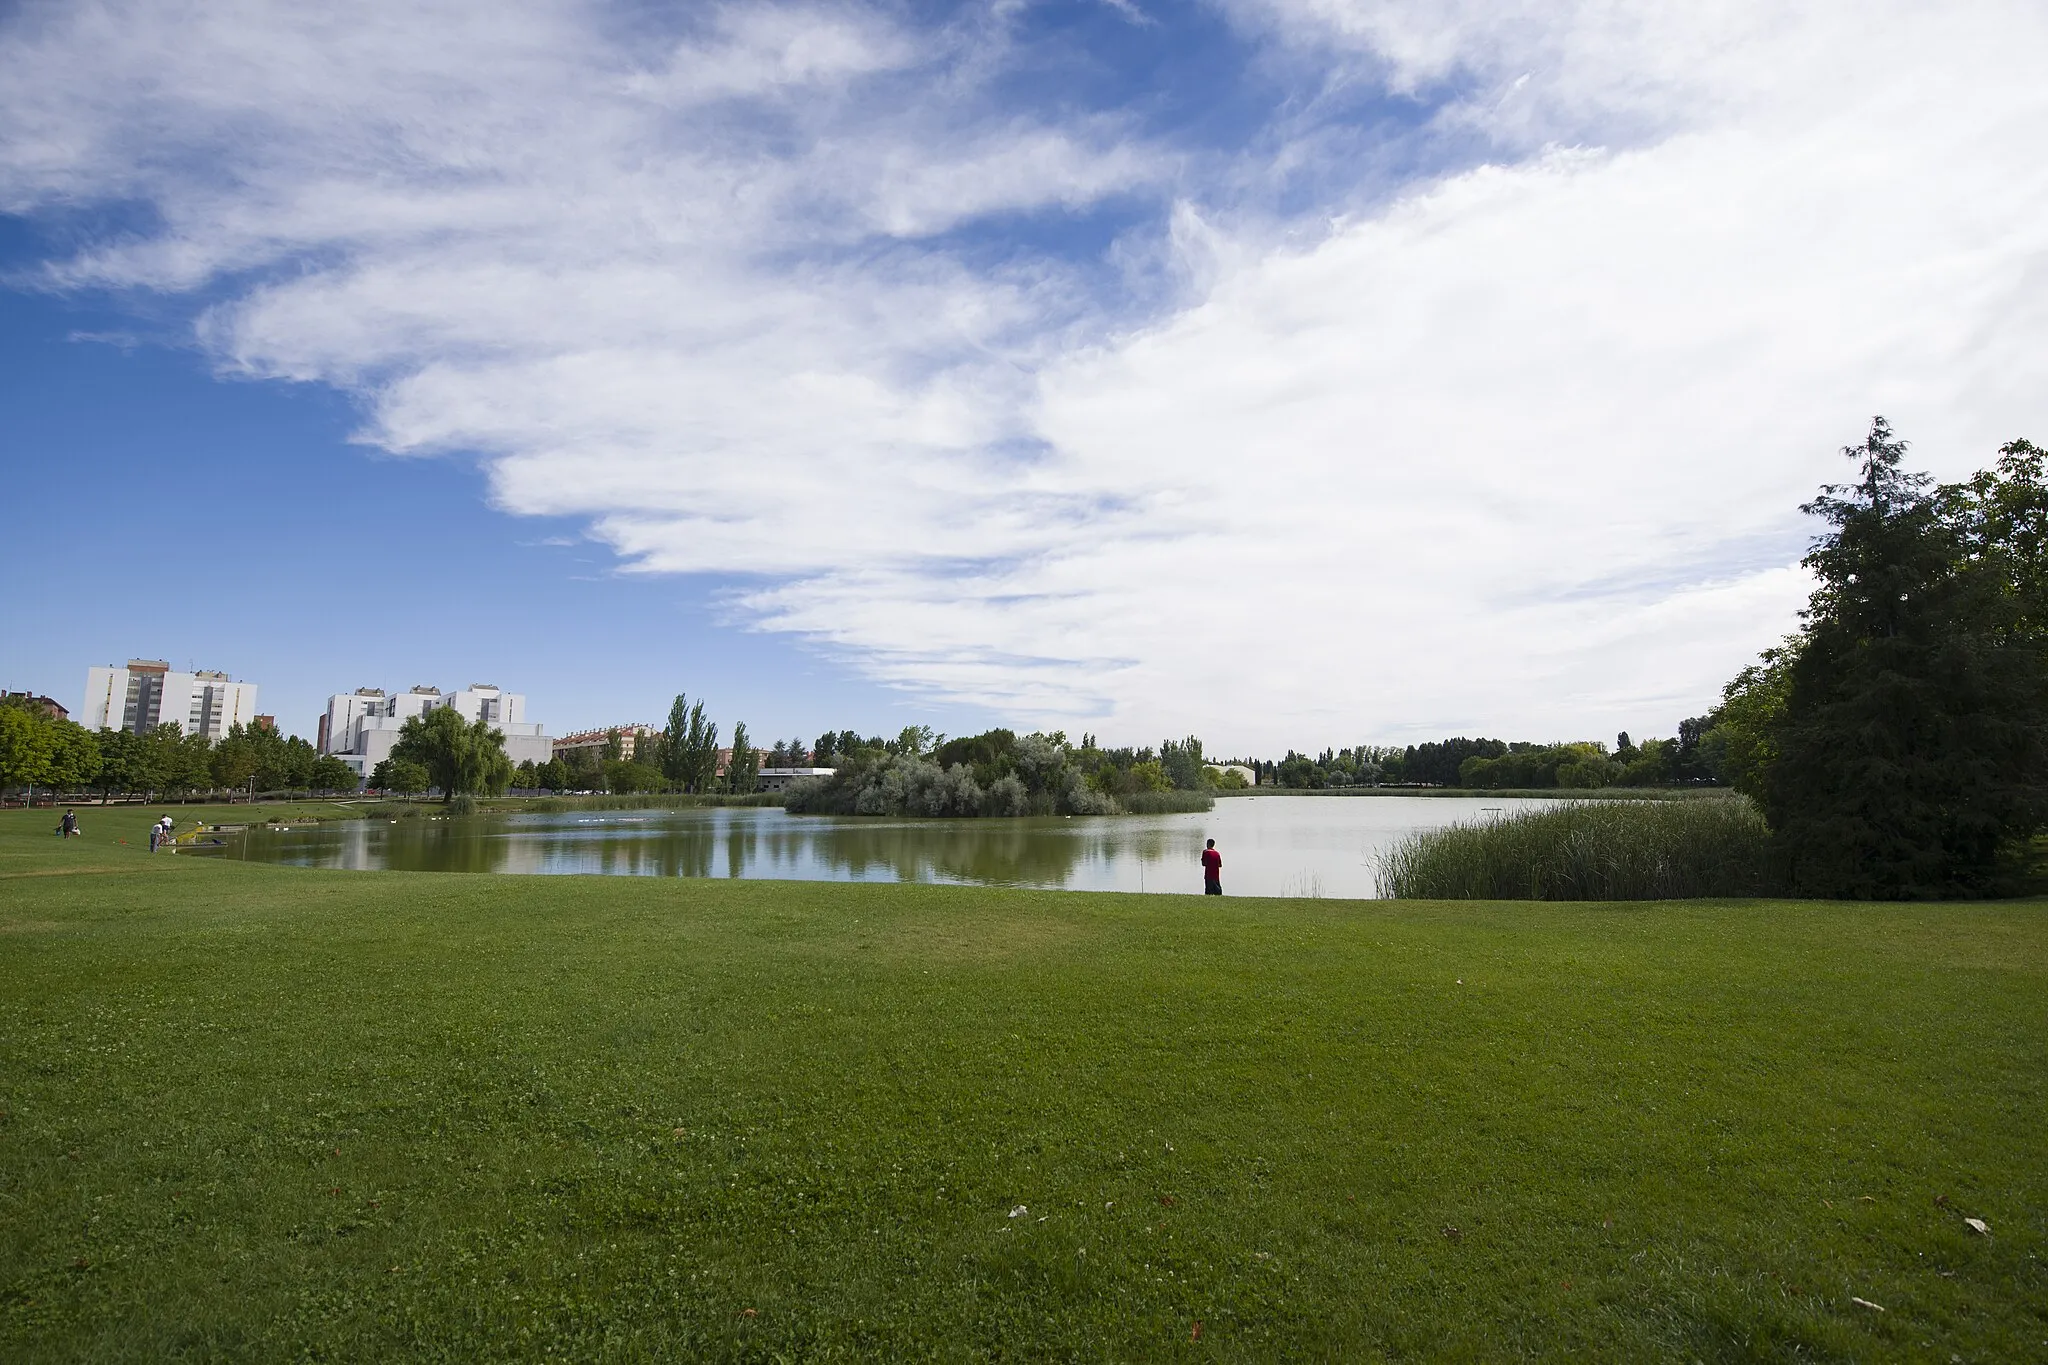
<point x="263" y="1113"/>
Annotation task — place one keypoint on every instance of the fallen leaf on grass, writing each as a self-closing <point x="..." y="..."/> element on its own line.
<point x="1453" y="1234"/>
<point x="1019" y="1211"/>
<point x="1168" y="1200"/>
<point x="748" y="1313"/>
<point x="1866" y="1303"/>
<point x="1195" y="1332"/>
<point x="1978" y="1226"/>
<point x="1941" y="1201"/>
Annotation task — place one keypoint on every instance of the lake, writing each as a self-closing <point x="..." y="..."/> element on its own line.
<point x="1271" y="845"/>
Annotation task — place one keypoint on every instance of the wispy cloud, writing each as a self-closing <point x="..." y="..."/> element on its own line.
<point x="790" y="292"/>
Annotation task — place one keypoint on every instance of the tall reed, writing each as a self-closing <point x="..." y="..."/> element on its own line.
<point x="1589" y="850"/>
<point x="1173" y="802"/>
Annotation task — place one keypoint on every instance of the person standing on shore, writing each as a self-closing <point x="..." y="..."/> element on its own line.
<point x="1212" y="870"/>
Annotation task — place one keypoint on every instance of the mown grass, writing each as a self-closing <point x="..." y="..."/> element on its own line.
<point x="1588" y="851"/>
<point x="260" y="1113"/>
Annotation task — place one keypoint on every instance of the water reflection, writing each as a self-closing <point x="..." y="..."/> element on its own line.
<point x="1289" y="845"/>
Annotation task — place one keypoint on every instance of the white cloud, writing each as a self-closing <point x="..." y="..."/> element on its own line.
<point x="1514" y="451"/>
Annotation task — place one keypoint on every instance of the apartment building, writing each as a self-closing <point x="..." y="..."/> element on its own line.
<point x="147" y="693"/>
<point x="362" y="727"/>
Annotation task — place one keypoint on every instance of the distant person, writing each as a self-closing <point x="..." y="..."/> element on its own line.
<point x="70" y="825"/>
<point x="156" y="834"/>
<point x="1212" y="870"/>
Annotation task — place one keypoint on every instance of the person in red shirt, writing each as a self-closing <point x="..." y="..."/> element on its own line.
<point x="1212" y="870"/>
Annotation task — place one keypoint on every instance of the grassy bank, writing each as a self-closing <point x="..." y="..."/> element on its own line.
<point x="1588" y="851"/>
<point x="256" y="1113"/>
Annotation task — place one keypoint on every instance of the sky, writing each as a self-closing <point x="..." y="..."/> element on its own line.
<point x="1288" y="372"/>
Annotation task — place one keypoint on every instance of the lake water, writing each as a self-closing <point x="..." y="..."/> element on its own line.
<point x="1271" y="845"/>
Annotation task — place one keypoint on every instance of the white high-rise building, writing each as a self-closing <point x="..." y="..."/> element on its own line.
<point x="361" y="727"/>
<point x="148" y="693"/>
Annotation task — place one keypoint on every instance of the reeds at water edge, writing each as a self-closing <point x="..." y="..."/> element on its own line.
<point x="1589" y="850"/>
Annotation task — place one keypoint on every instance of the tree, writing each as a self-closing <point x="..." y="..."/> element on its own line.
<point x="330" y="774"/>
<point x="401" y="776"/>
<point x="552" y="775"/>
<point x="28" y="746"/>
<point x="1742" y="743"/>
<point x="124" y="764"/>
<point x="465" y="758"/>
<point x="741" y="773"/>
<point x="235" y="758"/>
<point x="693" y="750"/>
<point x="1912" y="751"/>
<point x="623" y="775"/>
<point x="185" y="762"/>
<point x="614" y="746"/>
<point x="1183" y="762"/>
<point x="2001" y="518"/>
<point x="673" y="752"/>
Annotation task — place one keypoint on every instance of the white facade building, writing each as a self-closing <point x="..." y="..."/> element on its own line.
<point x="779" y="779"/>
<point x="361" y="727"/>
<point x="148" y="693"/>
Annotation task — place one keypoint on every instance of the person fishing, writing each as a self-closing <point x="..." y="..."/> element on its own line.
<point x="1212" y="870"/>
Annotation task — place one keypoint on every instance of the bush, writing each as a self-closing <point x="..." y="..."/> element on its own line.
<point x="1589" y="850"/>
<point x="461" y="804"/>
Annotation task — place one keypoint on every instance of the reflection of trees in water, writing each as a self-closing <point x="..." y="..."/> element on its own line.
<point x="454" y="845"/>
<point x="1046" y="852"/>
<point x="985" y="851"/>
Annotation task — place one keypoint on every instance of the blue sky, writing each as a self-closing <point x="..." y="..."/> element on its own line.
<point x="1293" y="372"/>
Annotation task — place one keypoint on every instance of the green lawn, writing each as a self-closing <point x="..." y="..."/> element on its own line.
<point x="260" y="1113"/>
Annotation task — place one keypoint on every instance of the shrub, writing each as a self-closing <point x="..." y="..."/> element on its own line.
<point x="1589" y="850"/>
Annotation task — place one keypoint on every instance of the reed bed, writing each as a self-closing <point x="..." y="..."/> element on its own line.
<point x="1174" y="802"/>
<point x="1589" y="851"/>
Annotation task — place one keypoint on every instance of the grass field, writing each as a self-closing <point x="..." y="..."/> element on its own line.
<point x="259" y="1113"/>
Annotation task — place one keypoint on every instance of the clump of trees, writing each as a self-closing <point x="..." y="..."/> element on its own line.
<point x="39" y="750"/>
<point x="1898" y="743"/>
<point x="1000" y="773"/>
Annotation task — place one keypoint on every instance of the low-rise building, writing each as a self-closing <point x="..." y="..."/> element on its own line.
<point x="147" y="693"/>
<point x="49" y="706"/>
<point x="633" y="739"/>
<point x="779" y="779"/>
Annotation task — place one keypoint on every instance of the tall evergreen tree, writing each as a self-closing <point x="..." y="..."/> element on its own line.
<point x="1910" y="754"/>
<point x="672" y="758"/>
<point x="742" y="774"/>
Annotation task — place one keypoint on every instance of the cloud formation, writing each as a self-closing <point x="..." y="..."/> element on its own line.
<point x="1508" y="442"/>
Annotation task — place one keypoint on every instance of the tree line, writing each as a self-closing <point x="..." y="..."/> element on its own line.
<point x="1691" y="759"/>
<point x="40" y="750"/>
